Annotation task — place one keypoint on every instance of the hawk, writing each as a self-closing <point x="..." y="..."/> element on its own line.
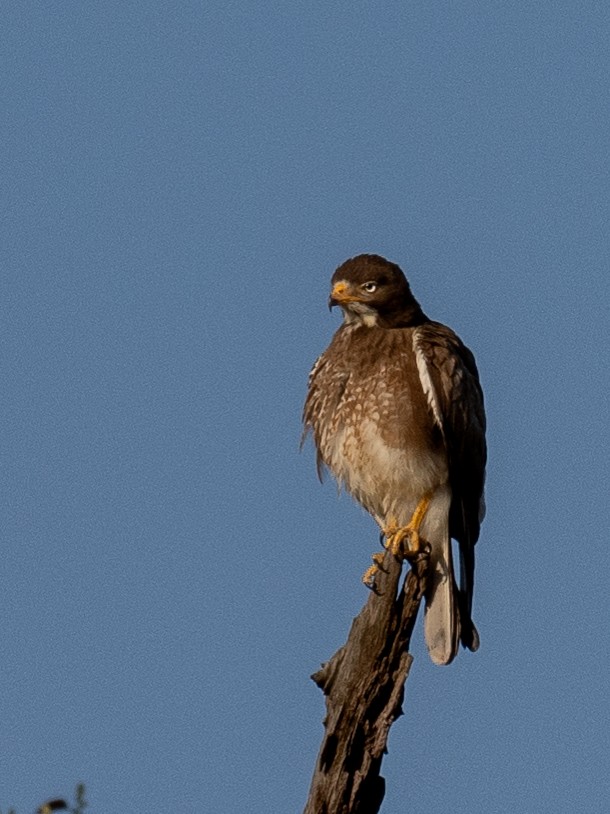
<point x="396" y="411"/>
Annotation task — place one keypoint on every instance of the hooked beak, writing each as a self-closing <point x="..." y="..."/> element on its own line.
<point x="341" y="294"/>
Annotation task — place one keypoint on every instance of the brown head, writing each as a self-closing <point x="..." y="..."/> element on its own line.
<point x="372" y="291"/>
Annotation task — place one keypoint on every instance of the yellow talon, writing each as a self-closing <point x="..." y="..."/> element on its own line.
<point x="402" y="541"/>
<point x="369" y="576"/>
<point x="405" y="541"/>
<point x="391" y="528"/>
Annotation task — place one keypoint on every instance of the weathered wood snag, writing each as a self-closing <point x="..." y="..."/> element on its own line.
<point x="364" y="687"/>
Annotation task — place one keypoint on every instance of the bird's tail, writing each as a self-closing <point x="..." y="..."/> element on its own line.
<point x="442" y="612"/>
<point x="469" y="635"/>
<point x="447" y="619"/>
<point x="441" y="616"/>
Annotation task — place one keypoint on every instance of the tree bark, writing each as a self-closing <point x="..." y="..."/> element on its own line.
<point x="364" y="687"/>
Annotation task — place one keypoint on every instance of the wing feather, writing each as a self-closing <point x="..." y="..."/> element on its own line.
<point x="326" y="385"/>
<point x="451" y="381"/>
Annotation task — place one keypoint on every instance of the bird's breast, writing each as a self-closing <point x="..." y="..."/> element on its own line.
<point x="375" y="432"/>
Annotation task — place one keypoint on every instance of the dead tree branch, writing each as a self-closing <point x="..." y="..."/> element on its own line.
<point x="364" y="687"/>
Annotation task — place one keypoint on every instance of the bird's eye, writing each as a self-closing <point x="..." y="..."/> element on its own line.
<point x="370" y="287"/>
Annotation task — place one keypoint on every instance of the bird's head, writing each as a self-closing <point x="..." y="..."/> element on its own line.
<point x="372" y="291"/>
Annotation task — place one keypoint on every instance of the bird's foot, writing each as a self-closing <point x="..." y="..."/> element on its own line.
<point x="369" y="575"/>
<point x="403" y="541"/>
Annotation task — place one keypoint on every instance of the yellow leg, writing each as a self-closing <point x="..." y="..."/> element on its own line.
<point x="401" y="541"/>
<point x="405" y="541"/>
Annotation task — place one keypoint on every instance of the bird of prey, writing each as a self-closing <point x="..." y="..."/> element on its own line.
<point x="396" y="411"/>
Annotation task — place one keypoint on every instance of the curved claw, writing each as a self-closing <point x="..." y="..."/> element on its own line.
<point x="369" y="575"/>
<point x="368" y="578"/>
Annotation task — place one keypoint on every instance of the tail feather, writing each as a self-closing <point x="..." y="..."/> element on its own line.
<point x="441" y="616"/>
<point x="468" y="634"/>
<point x="442" y="613"/>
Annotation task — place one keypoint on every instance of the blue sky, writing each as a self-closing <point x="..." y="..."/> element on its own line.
<point x="179" y="183"/>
